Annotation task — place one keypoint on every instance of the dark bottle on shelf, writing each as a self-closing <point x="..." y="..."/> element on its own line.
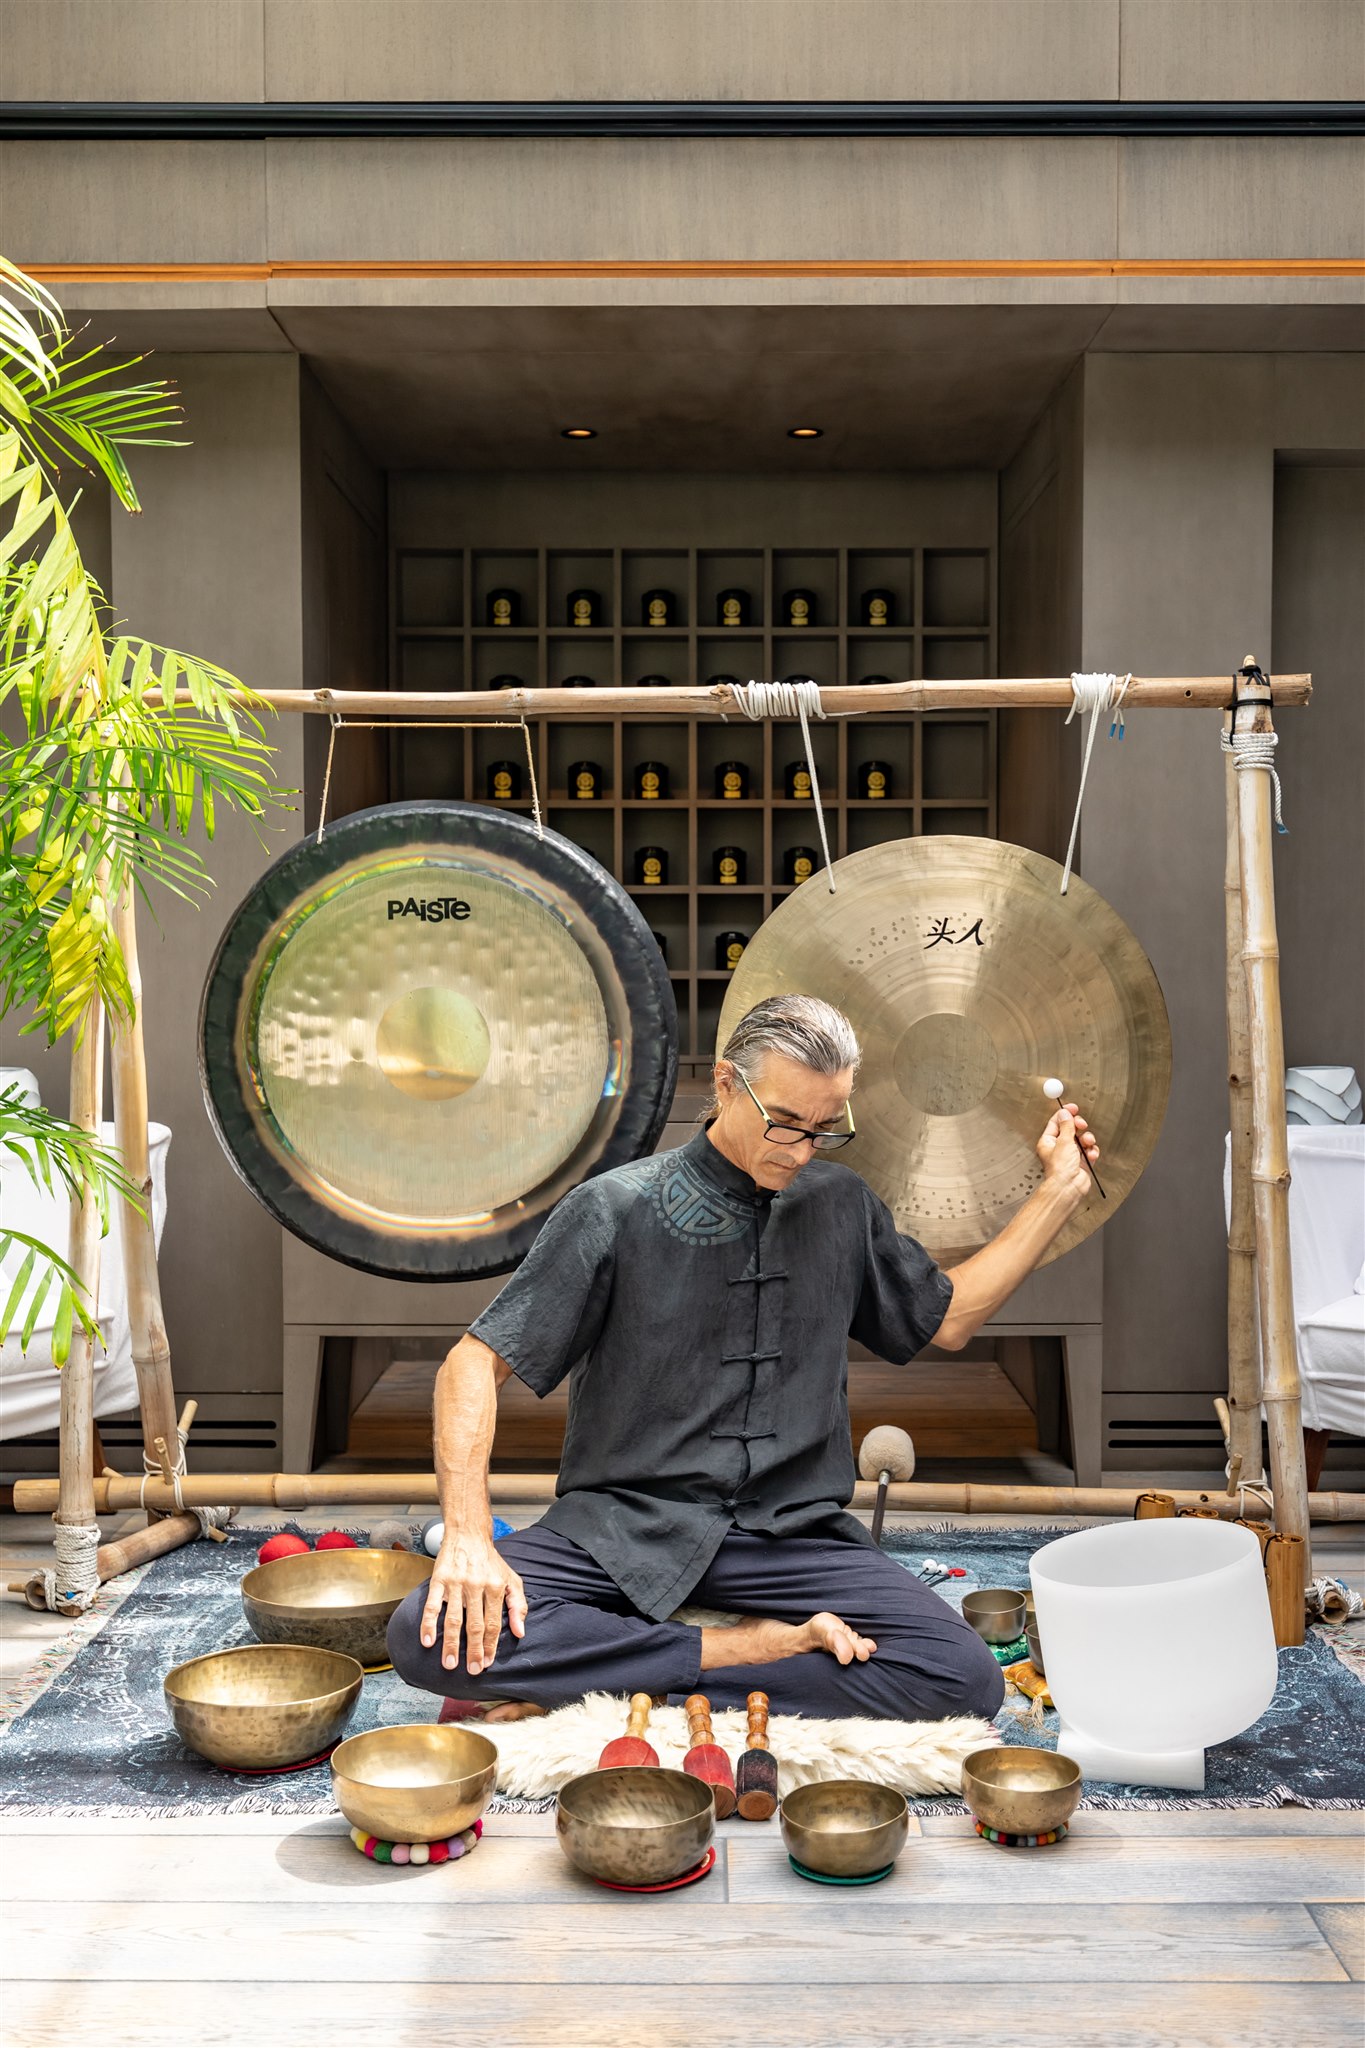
<point x="506" y="683"/>
<point x="799" y="608"/>
<point x="729" y="946"/>
<point x="651" y="781"/>
<point x="585" y="781"/>
<point x="659" y="608"/>
<point x="654" y="683"/>
<point x="878" y="607"/>
<point x="863" y="681"/>
<point x="579" y="683"/>
<point x="874" y="779"/>
<point x="504" y="781"/>
<point x="651" y="867"/>
<point x="661" y="942"/>
<point x="503" y="608"/>
<point x="732" y="781"/>
<point x="732" y="608"/>
<point x="796" y="780"/>
<point x="730" y="682"/>
<point x="729" y="866"/>
<point x="584" y="608"/>
<point x="799" y="864"/>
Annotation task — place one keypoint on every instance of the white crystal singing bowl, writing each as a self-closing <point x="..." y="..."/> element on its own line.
<point x="1158" y="1641"/>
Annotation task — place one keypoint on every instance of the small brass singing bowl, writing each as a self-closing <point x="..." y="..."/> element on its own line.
<point x="416" y="1783"/>
<point x="334" y="1599"/>
<point x="635" y="1827"/>
<point x="262" y="1706"/>
<point x="996" y="1614"/>
<point x="1021" y="1791"/>
<point x="845" y="1827"/>
<point x="1035" y="1648"/>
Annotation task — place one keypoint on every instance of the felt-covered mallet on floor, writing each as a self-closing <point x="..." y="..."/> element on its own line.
<point x="706" y="1759"/>
<point x="756" y="1771"/>
<point x="631" y="1748"/>
<point x="886" y="1453"/>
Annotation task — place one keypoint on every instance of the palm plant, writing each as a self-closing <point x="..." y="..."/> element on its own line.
<point x="117" y="747"/>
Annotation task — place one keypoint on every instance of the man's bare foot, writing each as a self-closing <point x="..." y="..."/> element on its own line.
<point x="757" y="1641"/>
<point x="513" y="1710"/>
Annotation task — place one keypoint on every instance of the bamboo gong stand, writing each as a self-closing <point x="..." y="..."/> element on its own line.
<point x="1258" y="1231"/>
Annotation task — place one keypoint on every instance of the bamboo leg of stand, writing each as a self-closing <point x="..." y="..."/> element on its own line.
<point x="147" y="1328"/>
<point x="1270" y="1150"/>
<point x="76" y="1475"/>
<point x="1244" y="1361"/>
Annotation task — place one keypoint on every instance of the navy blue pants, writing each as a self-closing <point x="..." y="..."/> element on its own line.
<point x="583" y="1635"/>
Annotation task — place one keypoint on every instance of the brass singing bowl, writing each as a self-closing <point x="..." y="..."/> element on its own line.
<point x="263" y="1706"/>
<point x="996" y="1614"/>
<point x="1021" y="1791"/>
<point x="1035" y="1647"/>
<point x="416" y="1783"/>
<point x="332" y="1599"/>
<point x="635" y="1825"/>
<point x="845" y="1827"/>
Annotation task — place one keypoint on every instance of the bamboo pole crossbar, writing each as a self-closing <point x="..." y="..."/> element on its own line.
<point x="295" y="1491"/>
<point x="719" y="701"/>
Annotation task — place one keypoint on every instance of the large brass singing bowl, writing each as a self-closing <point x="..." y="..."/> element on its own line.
<point x="333" y="1599"/>
<point x="263" y="1706"/>
<point x="635" y="1826"/>
<point x="1021" y="1791"/>
<point x="845" y="1827"/>
<point x="415" y="1783"/>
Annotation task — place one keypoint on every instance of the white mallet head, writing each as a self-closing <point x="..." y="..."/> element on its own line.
<point x="1053" y="1089"/>
<point x="886" y="1449"/>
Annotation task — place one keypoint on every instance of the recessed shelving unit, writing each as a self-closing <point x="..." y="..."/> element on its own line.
<point x="938" y="768"/>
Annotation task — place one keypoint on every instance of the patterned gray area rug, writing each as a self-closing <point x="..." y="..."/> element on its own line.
<point x="89" y="1733"/>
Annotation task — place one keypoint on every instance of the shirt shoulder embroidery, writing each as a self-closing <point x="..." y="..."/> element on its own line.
<point x="693" y="1209"/>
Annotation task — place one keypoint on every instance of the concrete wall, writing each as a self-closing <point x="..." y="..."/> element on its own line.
<point x="1178" y="532"/>
<point x="682" y="49"/>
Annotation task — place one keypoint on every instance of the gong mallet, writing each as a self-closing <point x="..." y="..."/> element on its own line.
<point x="886" y="1453"/>
<point x="756" y="1771"/>
<point x="631" y="1748"/>
<point x="706" y="1759"/>
<point x="1054" y="1090"/>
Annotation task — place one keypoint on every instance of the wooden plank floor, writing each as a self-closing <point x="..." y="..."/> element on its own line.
<point x="1222" y="1929"/>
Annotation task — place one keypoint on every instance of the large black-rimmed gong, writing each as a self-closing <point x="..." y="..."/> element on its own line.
<point x="420" y="1031"/>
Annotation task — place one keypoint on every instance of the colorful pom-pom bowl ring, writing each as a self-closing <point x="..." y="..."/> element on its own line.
<point x="418" y="1854"/>
<point x="420" y="1782"/>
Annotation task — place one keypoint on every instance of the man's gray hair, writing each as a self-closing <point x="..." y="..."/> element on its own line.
<point x="800" y="1028"/>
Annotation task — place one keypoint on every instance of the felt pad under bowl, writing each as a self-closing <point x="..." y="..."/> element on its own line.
<point x="334" y="1599"/>
<point x="636" y="1825"/>
<point x="264" y="1705"/>
<point x="845" y="1827"/>
<point x="420" y="1782"/>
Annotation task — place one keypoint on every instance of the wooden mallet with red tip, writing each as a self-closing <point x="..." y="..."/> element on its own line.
<point x="706" y="1759"/>
<point x="631" y="1748"/>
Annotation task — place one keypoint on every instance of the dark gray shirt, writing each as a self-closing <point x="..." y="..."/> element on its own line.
<point x="705" y="1324"/>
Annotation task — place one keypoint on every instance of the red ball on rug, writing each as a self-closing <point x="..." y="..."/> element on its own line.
<point x="283" y="1545"/>
<point x="336" y="1539"/>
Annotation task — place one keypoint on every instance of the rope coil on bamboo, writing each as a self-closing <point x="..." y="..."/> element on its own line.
<point x="208" y="1518"/>
<point x="792" y="700"/>
<point x="71" y="1583"/>
<point x="1090" y="695"/>
<point x="1256" y="750"/>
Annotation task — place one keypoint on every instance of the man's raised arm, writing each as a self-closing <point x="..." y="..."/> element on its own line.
<point x="469" y="1579"/>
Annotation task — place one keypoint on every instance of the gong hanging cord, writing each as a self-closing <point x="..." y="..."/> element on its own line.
<point x="1093" y="694"/>
<point x="792" y="700"/>
<point x="336" y="721"/>
<point x="1253" y="749"/>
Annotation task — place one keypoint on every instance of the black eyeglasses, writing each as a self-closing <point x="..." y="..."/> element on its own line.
<point x="792" y="1134"/>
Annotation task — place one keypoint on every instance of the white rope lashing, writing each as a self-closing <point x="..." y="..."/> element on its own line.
<point x="207" y="1518"/>
<point x="73" y="1581"/>
<point x="1256" y="750"/>
<point x="791" y="700"/>
<point x="1093" y="694"/>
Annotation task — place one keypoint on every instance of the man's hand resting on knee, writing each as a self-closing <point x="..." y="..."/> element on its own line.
<point x="472" y="1581"/>
<point x="754" y="1641"/>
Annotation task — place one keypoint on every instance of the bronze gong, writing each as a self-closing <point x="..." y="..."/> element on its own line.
<point x="420" y="1031"/>
<point x="970" y="980"/>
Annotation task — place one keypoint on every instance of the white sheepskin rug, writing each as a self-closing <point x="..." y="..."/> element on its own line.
<point x="536" y="1757"/>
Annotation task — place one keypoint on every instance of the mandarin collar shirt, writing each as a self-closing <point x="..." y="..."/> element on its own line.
<point x="703" y="1324"/>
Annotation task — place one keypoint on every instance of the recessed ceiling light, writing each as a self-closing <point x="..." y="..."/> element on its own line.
<point x="804" y="433"/>
<point x="579" y="433"/>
